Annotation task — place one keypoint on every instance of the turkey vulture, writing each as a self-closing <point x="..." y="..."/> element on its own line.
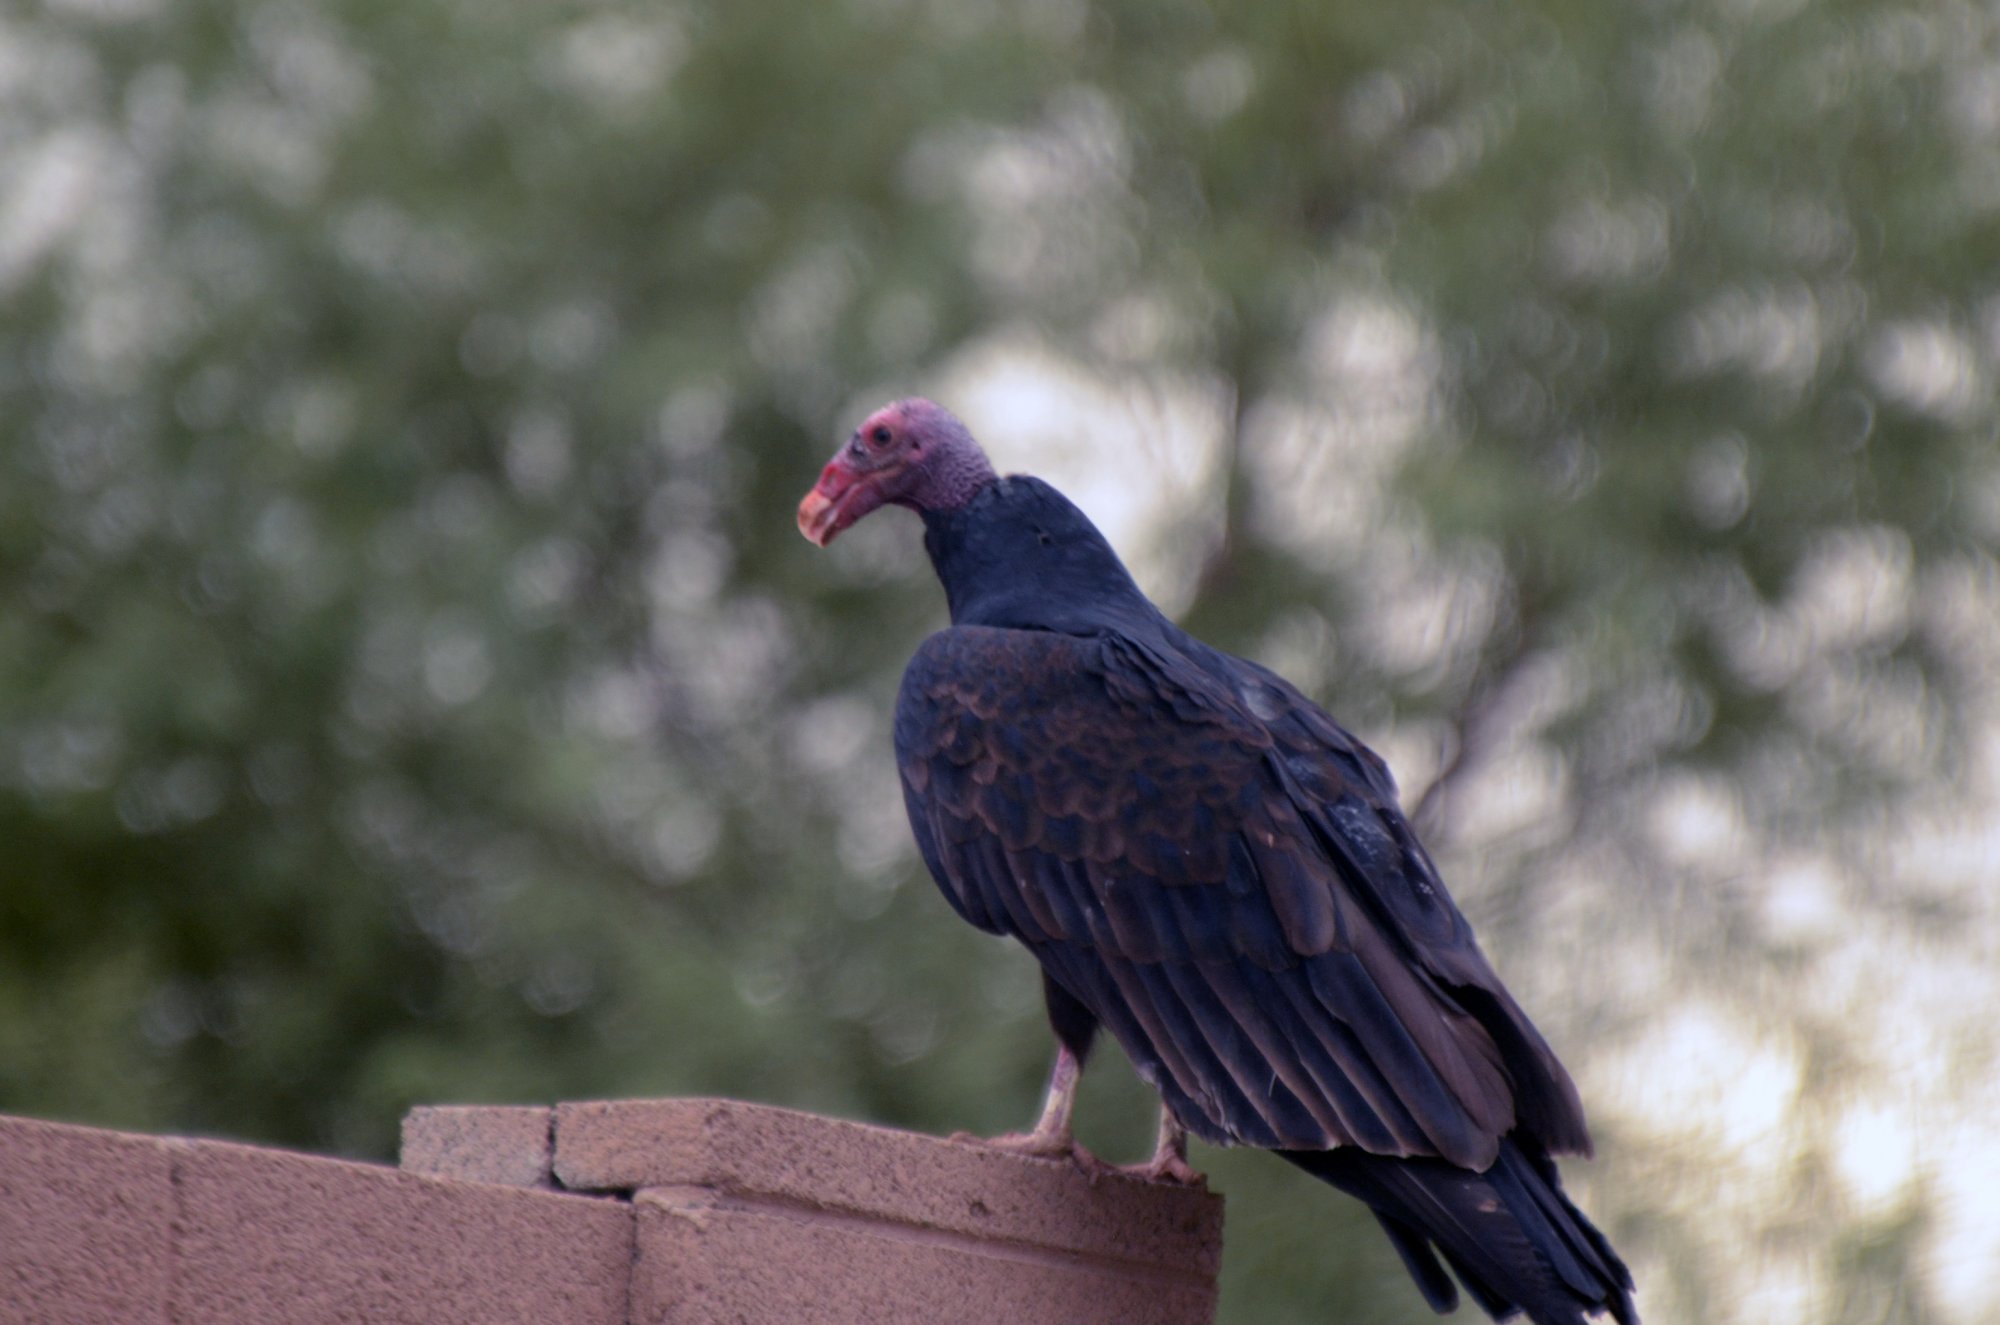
<point x="1208" y="866"/>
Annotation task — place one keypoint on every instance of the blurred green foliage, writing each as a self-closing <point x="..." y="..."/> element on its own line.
<point x="412" y="688"/>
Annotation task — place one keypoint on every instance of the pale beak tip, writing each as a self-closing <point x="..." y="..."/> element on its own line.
<point x="816" y="518"/>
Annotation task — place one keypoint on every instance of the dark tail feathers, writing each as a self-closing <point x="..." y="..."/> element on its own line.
<point x="1513" y="1237"/>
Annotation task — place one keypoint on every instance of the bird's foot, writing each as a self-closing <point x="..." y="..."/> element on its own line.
<point x="1169" y="1162"/>
<point x="1043" y="1145"/>
<point x="1167" y="1167"/>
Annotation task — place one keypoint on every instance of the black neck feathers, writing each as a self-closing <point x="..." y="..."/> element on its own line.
<point x="1021" y="555"/>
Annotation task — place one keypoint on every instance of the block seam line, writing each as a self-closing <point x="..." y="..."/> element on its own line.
<point x="888" y="1227"/>
<point x="548" y="1164"/>
<point x="177" y="1155"/>
<point x="633" y="1246"/>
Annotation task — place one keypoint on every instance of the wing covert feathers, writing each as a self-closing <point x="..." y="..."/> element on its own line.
<point x="1206" y="861"/>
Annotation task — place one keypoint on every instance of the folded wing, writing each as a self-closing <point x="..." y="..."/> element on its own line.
<point x="1205" y="859"/>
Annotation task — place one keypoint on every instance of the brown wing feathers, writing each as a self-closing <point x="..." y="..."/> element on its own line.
<point x="1217" y="896"/>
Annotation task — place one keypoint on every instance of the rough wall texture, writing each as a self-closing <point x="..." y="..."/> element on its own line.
<point x="85" y="1225"/>
<point x="99" y="1226"/>
<point x="664" y="1212"/>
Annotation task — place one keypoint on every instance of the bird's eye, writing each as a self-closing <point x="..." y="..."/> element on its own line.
<point x="881" y="434"/>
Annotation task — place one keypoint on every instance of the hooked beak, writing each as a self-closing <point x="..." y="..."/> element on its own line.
<point x="839" y="499"/>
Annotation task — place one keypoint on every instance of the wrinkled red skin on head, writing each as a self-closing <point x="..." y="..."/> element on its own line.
<point x="911" y="452"/>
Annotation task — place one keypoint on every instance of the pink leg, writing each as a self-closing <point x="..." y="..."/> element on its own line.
<point x="1169" y="1162"/>
<point x="1052" y="1137"/>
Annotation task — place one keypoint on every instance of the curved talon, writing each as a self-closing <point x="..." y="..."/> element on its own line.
<point x="1040" y="1145"/>
<point x="1167" y="1168"/>
<point x="1046" y="1145"/>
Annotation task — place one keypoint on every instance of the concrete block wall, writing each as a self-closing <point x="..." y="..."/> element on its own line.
<point x="104" y="1227"/>
<point x="668" y="1212"/>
